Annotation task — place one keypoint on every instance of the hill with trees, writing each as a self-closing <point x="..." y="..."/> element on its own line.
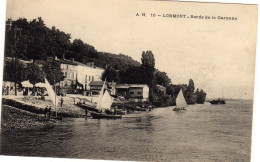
<point x="34" y="40"/>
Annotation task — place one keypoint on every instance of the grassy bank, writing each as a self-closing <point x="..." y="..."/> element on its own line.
<point x="14" y="119"/>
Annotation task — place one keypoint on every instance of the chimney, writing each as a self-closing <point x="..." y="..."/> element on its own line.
<point x="72" y="59"/>
<point x="63" y="56"/>
<point x="55" y="58"/>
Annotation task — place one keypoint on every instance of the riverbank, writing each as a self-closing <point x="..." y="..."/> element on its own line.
<point x="36" y="105"/>
<point x="27" y="112"/>
<point x="14" y="119"/>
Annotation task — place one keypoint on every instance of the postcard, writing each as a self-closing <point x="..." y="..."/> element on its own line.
<point x="128" y="80"/>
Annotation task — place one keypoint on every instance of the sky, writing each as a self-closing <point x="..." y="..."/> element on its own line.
<point x="219" y="55"/>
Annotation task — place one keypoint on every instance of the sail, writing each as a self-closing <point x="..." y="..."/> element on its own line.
<point x="180" y="100"/>
<point x="107" y="100"/>
<point x="51" y="93"/>
<point x="99" y="102"/>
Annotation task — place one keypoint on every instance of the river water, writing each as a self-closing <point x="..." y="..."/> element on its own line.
<point x="201" y="133"/>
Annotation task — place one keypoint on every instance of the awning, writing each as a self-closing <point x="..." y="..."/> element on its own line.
<point x="26" y="84"/>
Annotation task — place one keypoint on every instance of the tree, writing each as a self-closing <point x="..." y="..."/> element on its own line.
<point x="132" y="75"/>
<point x="191" y="86"/>
<point x="34" y="74"/>
<point x="148" y="68"/>
<point x="110" y="74"/>
<point x="53" y="72"/>
<point x="189" y="93"/>
<point x="162" y="78"/>
<point x="201" y="96"/>
<point x="14" y="72"/>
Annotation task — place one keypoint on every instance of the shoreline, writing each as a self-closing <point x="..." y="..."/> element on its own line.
<point x="14" y="119"/>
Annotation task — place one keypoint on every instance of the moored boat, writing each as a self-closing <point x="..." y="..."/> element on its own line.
<point x="217" y="102"/>
<point x="87" y="106"/>
<point x="104" y="115"/>
<point x="104" y="106"/>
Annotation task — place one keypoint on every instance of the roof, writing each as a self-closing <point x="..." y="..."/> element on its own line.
<point x="76" y="63"/>
<point x="131" y="85"/>
<point x="96" y="83"/>
<point x="138" y="85"/>
<point x="24" y="62"/>
<point x="122" y="86"/>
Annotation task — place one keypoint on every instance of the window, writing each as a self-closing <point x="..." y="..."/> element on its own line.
<point x="92" y="78"/>
<point x="132" y="93"/>
<point x="139" y="93"/>
<point x="89" y="78"/>
<point x="67" y="67"/>
<point x="65" y="74"/>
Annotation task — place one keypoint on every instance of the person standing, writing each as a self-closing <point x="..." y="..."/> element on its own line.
<point x="7" y="90"/>
<point x="3" y="91"/>
<point x="61" y="102"/>
<point x="46" y="111"/>
<point x="50" y="112"/>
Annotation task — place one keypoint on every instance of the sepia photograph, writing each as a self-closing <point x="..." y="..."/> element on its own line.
<point x="128" y="80"/>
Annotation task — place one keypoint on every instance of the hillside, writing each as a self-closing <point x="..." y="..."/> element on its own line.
<point x="34" y="40"/>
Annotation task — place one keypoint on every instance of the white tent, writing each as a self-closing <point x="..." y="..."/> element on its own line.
<point x="26" y="84"/>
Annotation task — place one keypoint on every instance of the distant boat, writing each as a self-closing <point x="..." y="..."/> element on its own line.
<point x="104" y="104"/>
<point x="180" y="102"/>
<point x="218" y="101"/>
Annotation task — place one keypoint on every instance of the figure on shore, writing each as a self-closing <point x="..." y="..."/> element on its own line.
<point x="61" y="102"/>
<point x="49" y="112"/>
<point x="7" y="90"/>
<point x="74" y="100"/>
<point x="3" y="90"/>
<point x="46" y="111"/>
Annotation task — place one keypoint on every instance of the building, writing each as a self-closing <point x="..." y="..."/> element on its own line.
<point x="96" y="86"/>
<point x="134" y="92"/>
<point x="79" y="74"/>
<point x="138" y="91"/>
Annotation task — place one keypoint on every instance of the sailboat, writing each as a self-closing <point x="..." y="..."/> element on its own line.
<point x="52" y="95"/>
<point x="180" y="102"/>
<point x="104" y="103"/>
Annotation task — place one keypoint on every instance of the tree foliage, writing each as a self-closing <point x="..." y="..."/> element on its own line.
<point x="53" y="72"/>
<point x="14" y="72"/>
<point x="110" y="74"/>
<point x="201" y="96"/>
<point x="34" y="74"/>
<point x="148" y="68"/>
<point x="162" y="78"/>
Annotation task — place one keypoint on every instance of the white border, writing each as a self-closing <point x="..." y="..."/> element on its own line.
<point x="255" y="141"/>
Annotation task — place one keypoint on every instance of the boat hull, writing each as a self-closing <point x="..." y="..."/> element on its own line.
<point x="178" y="109"/>
<point x="106" y="116"/>
<point x="218" y="102"/>
<point x="88" y="107"/>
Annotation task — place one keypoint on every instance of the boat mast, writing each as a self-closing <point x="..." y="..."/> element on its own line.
<point x="55" y="105"/>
